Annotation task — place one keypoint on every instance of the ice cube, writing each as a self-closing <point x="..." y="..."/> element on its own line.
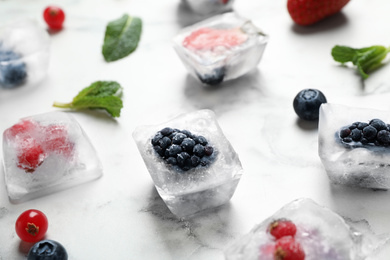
<point x="46" y="153"/>
<point x="24" y="53"/>
<point x="189" y="188"/>
<point x="320" y="234"/>
<point x="220" y="48"/>
<point x="356" y="159"/>
<point x="206" y="7"/>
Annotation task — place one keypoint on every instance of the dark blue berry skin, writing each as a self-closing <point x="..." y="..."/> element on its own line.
<point x="378" y="124"/>
<point x="157" y="138"/>
<point x="178" y="138"/>
<point x="166" y="131"/>
<point x="199" y="150"/>
<point x="369" y="132"/>
<point x="200" y="140"/>
<point x="384" y="137"/>
<point x="195" y="160"/>
<point x="208" y="150"/>
<point x="307" y="104"/>
<point x="12" y="71"/>
<point x="187" y="133"/>
<point x="344" y="132"/>
<point x="165" y="142"/>
<point x="356" y="134"/>
<point x="362" y="125"/>
<point x="215" y="78"/>
<point x="188" y="145"/>
<point x="172" y="160"/>
<point x="174" y="150"/>
<point x="47" y="250"/>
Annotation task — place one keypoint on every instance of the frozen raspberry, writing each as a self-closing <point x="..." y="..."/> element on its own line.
<point x="286" y="248"/>
<point x="281" y="228"/>
<point x="21" y="128"/>
<point x="57" y="140"/>
<point x="31" y="154"/>
<point x="208" y="38"/>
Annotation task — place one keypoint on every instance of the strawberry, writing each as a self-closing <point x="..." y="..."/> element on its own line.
<point x="306" y="12"/>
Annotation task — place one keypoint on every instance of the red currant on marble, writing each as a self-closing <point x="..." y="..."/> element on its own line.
<point x="31" y="225"/>
<point x="286" y="248"/>
<point x="281" y="228"/>
<point x="54" y="17"/>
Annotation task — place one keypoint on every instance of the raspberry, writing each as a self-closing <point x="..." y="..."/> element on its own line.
<point x="31" y="154"/>
<point x="286" y="248"/>
<point x="281" y="228"/>
<point x="21" y="128"/>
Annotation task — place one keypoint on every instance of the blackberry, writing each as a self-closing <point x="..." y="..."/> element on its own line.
<point x="215" y="78"/>
<point x="307" y="104"/>
<point x="182" y="149"/>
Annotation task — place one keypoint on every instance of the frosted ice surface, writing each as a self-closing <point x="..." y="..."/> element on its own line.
<point x="46" y="153"/>
<point x="188" y="192"/>
<point x="205" y="7"/>
<point x="322" y="234"/>
<point x="352" y="163"/>
<point x="220" y="48"/>
<point x="24" y="53"/>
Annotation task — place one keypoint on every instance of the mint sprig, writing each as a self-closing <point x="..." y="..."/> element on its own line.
<point x="99" y="95"/>
<point x="122" y="37"/>
<point x="366" y="59"/>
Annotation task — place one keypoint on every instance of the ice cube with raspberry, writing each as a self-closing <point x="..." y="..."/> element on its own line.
<point x="45" y="153"/>
<point x="191" y="162"/>
<point x="354" y="146"/>
<point x="208" y="7"/>
<point x="221" y="48"/>
<point x="303" y="230"/>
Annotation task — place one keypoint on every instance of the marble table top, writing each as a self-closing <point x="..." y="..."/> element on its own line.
<point x="120" y="215"/>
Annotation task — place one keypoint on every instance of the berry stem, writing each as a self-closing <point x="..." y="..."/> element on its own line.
<point x="62" y="105"/>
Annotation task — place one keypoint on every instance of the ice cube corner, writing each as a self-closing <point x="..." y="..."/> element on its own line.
<point x="221" y="48"/>
<point x="46" y="153"/>
<point x="191" y="191"/>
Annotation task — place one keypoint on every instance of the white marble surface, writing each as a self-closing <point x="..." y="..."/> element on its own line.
<point x="121" y="216"/>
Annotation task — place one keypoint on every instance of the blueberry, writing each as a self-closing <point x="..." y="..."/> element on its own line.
<point x="208" y="150"/>
<point x="344" y="132"/>
<point x="195" y="160"/>
<point x="13" y="74"/>
<point x="172" y="160"/>
<point x="159" y="150"/>
<point x="356" y="134"/>
<point x="198" y="150"/>
<point x="164" y="142"/>
<point x="182" y="157"/>
<point x="362" y="125"/>
<point x="188" y="145"/>
<point x="215" y="78"/>
<point x="174" y="150"/>
<point x="378" y="124"/>
<point x="187" y="133"/>
<point x="157" y="138"/>
<point x="307" y="103"/>
<point x="47" y="250"/>
<point x="369" y="132"/>
<point x="384" y="137"/>
<point x="200" y="140"/>
<point x="166" y="131"/>
<point x="178" y="138"/>
<point x="347" y="139"/>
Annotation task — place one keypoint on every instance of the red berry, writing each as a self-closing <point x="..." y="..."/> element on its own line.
<point x="21" y="128"/>
<point x="286" y="248"/>
<point x="57" y="140"/>
<point x="306" y="12"/>
<point x="54" y="17"/>
<point x="31" y="225"/>
<point x="31" y="154"/>
<point x="281" y="228"/>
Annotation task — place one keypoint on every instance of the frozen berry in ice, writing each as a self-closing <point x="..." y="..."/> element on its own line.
<point x="307" y="104"/>
<point x="47" y="250"/>
<point x="286" y="248"/>
<point x="54" y="17"/>
<point x="369" y="132"/>
<point x="30" y="155"/>
<point x="31" y="225"/>
<point x="281" y="228"/>
<point x="383" y="137"/>
<point x="214" y="78"/>
<point x="57" y="140"/>
<point x="378" y="124"/>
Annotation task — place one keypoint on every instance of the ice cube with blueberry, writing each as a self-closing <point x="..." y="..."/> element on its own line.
<point x="191" y="162"/>
<point x="207" y="7"/>
<point x="45" y="153"/>
<point x="354" y="145"/>
<point x="24" y="53"/>
<point x="302" y="230"/>
<point x="221" y="48"/>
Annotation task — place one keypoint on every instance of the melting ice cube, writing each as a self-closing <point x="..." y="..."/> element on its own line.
<point x="190" y="187"/>
<point x="354" y="146"/>
<point x="206" y="7"/>
<point x="24" y="53"/>
<point x="320" y="234"/>
<point x="46" y="153"/>
<point x="220" y="48"/>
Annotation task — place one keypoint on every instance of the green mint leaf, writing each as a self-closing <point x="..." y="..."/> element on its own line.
<point x="366" y="59"/>
<point x="100" y="94"/>
<point x="122" y="37"/>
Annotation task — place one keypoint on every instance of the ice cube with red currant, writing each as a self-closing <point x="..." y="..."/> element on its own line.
<point x="24" y="53"/>
<point x="46" y="153"/>
<point x="209" y="7"/>
<point x="354" y="145"/>
<point x="191" y="162"/>
<point x="303" y="230"/>
<point x="220" y="48"/>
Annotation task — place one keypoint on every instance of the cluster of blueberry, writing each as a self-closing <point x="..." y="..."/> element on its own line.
<point x="12" y="70"/>
<point x="376" y="132"/>
<point x="182" y="148"/>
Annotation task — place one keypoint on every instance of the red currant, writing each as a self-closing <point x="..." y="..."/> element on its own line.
<point x="282" y="227"/>
<point x="286" y="248"/>
<point x="54" y="17"/>
<point x="31" y="225"/>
